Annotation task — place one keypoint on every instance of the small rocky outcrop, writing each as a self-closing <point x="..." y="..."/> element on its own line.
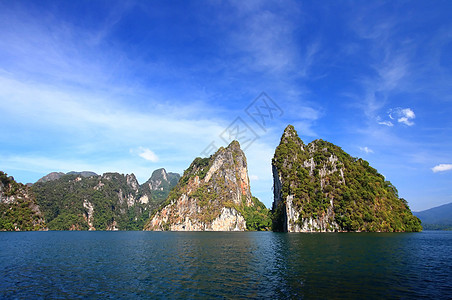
<point x="319" y="187"/>
<point x="18" y="208"/>
<point x="212" y="195"/>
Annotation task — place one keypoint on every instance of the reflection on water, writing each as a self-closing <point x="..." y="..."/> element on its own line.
<point x="225" y="265"/>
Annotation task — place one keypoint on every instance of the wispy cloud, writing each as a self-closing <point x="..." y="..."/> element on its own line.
<point x="442" y="168"/>
<point x="401" y="115"/>
<point x="386" y="123"/>
<point x="146" y="154"/>
<point x="90" y="124"/>
<point x="366" y="149"/>
<point x="267" y="35"/>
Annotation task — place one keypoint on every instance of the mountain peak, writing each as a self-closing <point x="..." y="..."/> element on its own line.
<point x="290" y="131"/>
<point x="159" y="174"/>
<point x="290" y="128"/>
<point x="290" y="134"/>
<point x="234" y="145"/>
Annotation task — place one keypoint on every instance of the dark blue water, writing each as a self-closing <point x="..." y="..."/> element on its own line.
<point x="151" y="265"/>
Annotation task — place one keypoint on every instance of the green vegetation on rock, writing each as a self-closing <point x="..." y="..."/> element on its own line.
<point x="18" y="209"/>
<point x="257" y="216"/>
<point x="328" y="185"/>
<point x="108" y="202"/>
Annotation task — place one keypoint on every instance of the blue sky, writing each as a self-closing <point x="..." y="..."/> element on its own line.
<point x="134" y="86"/>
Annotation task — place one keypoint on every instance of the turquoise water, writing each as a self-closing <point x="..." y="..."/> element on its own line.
<point x="152" y="265"/>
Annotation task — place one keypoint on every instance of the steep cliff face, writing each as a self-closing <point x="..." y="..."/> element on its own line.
<point x="18" y="208"/>
<point x="319" y="187"/>
<point x="213" y="194"/>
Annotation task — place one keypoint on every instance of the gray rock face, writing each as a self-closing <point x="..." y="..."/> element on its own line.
<point x="161" y="181"/>
<point x="57" y="175"/>
<point x="295" y="156"/>
<point x="209" y="195"/>
<point x="18" y="208"/>
<point x="132" y="182"/>
<point x="51" y="176"/>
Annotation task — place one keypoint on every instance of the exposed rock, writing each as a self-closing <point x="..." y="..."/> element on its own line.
<point x="132" y="182"/>
<point x="51" y="176"/>
<point x="113" y="226"/>
<point x="89" y="213"/>
<point x="161" y="182"/>
<point x="144" y="199"/>
<point x="210" y="196"/>
<point x="18" y="208"/>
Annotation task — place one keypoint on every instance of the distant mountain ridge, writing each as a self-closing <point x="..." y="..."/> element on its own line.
<point x="439" y="217"/>
<point x="57" y="175"/>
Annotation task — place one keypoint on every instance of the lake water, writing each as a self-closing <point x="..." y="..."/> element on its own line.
<point x="152" y="265"/>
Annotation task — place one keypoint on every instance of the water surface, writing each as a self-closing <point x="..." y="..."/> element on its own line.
<point x="197" y="265"/>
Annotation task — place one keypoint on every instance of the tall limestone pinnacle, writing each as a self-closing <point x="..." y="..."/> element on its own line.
<point x="319" y="187"/>
<point x="212" y="195"/>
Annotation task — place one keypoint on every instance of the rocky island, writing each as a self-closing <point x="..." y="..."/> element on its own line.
<point x="319" y="187"/>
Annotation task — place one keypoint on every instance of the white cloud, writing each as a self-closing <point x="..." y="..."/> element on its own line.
<point x="147" y="154"/>
<point x="387" y="123"/>
<point x="401" y="115"/>
<point x="366" y="149"/>
<point x="405" y="121"/>
<point x="94" y="124"/>
<point x="409" y="113"/>
<point x="442" y="168"/>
